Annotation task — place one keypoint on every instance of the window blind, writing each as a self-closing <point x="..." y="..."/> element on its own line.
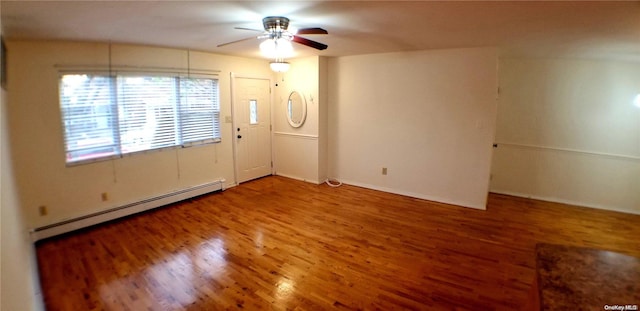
<point x="198" y="117"/>
<point x="105" y="117"/>
<point x="88" y="113"/>
<point x="147" y="112"/>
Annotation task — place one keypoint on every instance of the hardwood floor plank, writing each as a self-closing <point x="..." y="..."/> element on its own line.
<point x="277" y="243"/>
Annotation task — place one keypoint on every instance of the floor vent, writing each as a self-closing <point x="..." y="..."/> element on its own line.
<point x="122" y="211"/>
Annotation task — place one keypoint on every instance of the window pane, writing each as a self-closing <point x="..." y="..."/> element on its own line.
<point x="88" y="116"/>
<point x="199" y="110"/>
<point x="147" y="112"/>
<point x="253" y="111"/>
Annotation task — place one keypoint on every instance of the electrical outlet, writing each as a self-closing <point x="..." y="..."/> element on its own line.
<point x="384" y="171"/>
<point x="104" y="196"/>
<point x="42" y="209"/>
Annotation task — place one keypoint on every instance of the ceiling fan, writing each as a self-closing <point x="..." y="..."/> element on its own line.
<point x="276" y="29"/>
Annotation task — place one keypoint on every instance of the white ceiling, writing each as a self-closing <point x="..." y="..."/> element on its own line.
<point x="546" y="29"/>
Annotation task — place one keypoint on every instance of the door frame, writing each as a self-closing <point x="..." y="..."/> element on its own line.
<point x="234" y="123"/>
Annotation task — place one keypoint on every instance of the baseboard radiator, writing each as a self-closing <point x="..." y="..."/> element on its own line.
<point x="124" y="210"/>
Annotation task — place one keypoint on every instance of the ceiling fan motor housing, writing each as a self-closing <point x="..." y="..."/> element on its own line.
<point x="275" y="23"/>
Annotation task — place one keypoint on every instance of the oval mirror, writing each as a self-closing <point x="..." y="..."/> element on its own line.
<point x="296" y="109"/>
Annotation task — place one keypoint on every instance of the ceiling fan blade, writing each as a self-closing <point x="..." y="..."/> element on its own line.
<point x="232" y="42"/>
<point x="310" y="43"/>
<point x="250" y="29"/>
<point x="312" y="31"/>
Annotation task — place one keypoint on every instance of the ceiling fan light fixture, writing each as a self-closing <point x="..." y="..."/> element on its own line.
<point x="279" y="66"/>
<point x="276" y="48"/>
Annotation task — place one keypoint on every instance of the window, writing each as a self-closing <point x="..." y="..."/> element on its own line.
<point x="253" y="111"/>
<point x="106" y="117"/>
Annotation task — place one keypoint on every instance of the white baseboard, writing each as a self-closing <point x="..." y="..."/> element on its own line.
<point x="125" y="210"/>
<point x="299" y="178"/>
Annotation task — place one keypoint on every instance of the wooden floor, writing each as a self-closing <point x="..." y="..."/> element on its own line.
<point x="277" y="243"/>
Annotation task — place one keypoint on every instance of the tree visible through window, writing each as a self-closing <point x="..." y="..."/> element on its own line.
<point x="106" y="117"/>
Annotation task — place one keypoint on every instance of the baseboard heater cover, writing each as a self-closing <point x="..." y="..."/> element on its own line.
<point x="124" y="210"/>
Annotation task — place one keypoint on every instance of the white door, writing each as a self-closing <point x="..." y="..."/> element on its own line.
<point x="252" y="132"/>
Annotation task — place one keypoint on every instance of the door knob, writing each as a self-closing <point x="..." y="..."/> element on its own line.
<point x="239" y="136"/>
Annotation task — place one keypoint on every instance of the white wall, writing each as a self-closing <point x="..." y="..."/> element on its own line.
<point x="298" y="152"/>
<point x="568" y="132"/>
<point x="36" y="129"/>
<point x="429" y="117"/>
<point x="19" y="286"/>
